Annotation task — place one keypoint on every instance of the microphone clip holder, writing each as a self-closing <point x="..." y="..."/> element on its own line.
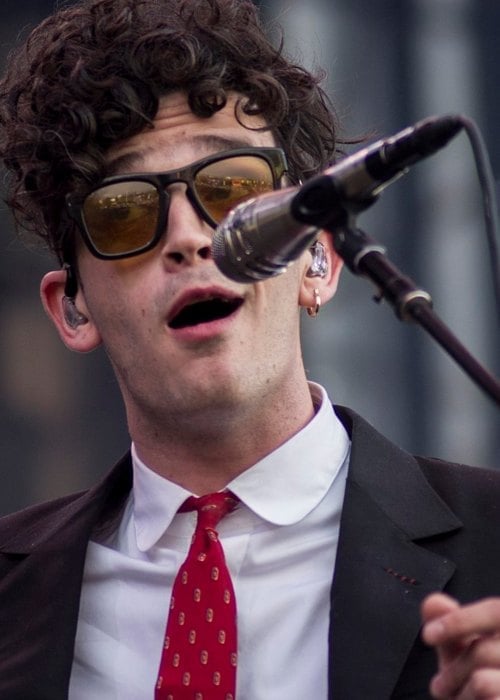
<point x="365" y="257"/>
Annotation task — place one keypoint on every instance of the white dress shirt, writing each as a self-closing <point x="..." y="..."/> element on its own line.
<point x="280" y="546"/>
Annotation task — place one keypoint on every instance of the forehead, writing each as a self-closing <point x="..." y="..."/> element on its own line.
<point x="179" y="137"/>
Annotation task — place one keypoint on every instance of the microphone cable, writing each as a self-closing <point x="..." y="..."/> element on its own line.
<point x="490" y="204"/>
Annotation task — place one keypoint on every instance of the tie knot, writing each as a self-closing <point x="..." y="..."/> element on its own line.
<point x="211" y="507"/>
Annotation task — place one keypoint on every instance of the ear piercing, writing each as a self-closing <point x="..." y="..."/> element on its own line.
<point x="314" y="310"/>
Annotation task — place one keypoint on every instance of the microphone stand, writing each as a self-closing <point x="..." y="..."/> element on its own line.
<point x="365" y="257"/>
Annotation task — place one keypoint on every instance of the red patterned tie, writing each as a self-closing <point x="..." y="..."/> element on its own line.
<point x="199" y="654"/>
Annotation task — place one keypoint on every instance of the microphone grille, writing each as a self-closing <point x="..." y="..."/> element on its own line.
<point x="218" y="244"/>
<point x="228" y="260"/>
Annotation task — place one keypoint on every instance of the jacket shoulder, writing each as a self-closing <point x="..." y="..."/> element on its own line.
<point x="36" y="517"/>
<point x="55" y="523"/>
<point x="464" y="487"/>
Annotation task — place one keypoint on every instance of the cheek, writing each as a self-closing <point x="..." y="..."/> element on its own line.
<point x="112" y="290"/>
<point x="113" y="310"/>
<point x="282" y="307"/>
<point x="285" y="288"/>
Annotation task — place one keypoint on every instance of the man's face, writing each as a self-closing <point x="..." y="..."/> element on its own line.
<point x="169" y="371"/>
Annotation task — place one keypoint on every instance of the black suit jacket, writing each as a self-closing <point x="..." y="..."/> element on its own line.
<point x="409" y="526"/>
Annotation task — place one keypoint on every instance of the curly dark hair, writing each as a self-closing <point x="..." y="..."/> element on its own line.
<point x="92" y="74"/>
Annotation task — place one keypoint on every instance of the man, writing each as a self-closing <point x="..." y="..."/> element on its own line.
<point x="130" y="128"/>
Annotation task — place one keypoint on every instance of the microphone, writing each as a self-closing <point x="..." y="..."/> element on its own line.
<point x="262" y="236"/>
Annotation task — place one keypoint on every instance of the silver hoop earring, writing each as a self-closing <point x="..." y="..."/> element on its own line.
<point x="313" y="311"/>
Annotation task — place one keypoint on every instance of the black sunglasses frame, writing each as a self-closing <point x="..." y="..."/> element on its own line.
<point x="274" y="157"/>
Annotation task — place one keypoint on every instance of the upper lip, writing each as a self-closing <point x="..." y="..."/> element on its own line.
<point x="200" y="294"/>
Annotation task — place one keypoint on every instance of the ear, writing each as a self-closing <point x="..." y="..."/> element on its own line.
<point x="83" y="337"/>
<point x="327" y="284"/>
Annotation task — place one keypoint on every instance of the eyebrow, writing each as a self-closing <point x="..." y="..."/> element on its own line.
<point x="128" y="161"/>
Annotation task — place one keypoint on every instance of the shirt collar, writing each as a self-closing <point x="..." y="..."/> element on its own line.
<point x="156" y="501"/>
<point x="282" y="488"/>
<point x="291" y="481"/>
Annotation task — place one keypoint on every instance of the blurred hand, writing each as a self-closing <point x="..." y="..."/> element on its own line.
<point x="467" y="643"/>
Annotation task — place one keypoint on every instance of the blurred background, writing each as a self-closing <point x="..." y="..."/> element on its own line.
<point x="389" y="63"/>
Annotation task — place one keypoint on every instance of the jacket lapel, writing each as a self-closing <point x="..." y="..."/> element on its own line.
<point x="42" y="556"/>
<point x="381" y="572"/>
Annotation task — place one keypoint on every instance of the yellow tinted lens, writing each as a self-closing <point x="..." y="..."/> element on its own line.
<point x="122" y="217"/>
<point x="222" y="185"/>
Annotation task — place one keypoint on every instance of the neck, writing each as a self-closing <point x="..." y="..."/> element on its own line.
<point x="203" y="453"/>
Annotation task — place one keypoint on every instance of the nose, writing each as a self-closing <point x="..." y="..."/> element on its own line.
<point x="188" y="239"/>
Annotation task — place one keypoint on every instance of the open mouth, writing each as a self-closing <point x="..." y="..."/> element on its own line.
<point x="205" y="311"/>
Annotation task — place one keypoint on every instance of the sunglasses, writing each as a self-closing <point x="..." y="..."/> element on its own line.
<point x="126" y="215"/>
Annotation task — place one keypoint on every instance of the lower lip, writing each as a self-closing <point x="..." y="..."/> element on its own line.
<point x="204" y="331"/>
